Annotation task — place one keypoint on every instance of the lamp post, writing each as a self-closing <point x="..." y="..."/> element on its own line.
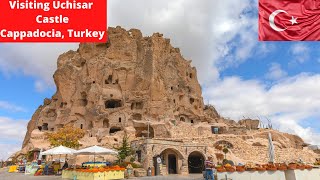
<point x="148" y="128"/>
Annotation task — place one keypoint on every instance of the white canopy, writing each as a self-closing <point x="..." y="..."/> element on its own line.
<point x="93" y="150"/>
<point x="61" y="150"/>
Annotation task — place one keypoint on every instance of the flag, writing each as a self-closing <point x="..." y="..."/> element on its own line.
<point x="289" y="20"/>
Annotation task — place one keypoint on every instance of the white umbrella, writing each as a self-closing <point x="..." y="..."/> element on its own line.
<point x="93" y="150"/>
<point x="96" y="150"/>
<point x="61" y="150"/>
<point x="271" y="149"/>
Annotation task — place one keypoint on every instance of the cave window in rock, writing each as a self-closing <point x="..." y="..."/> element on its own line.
<point x="215" y="130"/>
<point x="61" y="105"/>
<point x="191" y="100"/>
<point x="116" y="81"/>
<point x="114" y="130"/>
<point x="45" y="126"/>
<point x="192" y="121"/>
<point x="52" y="129"/>
<point x="110" y="104"/>
<point x="40" y="128"/>
<point x="191" y="76"/>
<point x="137" y="117"/>
<point x="106" y="123"/>
<point x="174" y="101"/>
<point x="90" y="125"/>
<point x="182" y="119"/>
<point x="139" y="105"/>
<point x="84" y="100"/>
<point x="94" y="82"/>
<point x="81" y="126"/>
<point x="109" y="80"/>
<point x="119" y="119"/>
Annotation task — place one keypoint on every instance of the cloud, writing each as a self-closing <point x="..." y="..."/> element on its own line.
<point x="12" y="129"/>
<point x="288" y="102"/>
<point x="11" y="107"/>
<point x="12" y="132"/>
<point x="276" y="72"/>
<point x="37" y="60"/>
<point x="202" y="30"/>
<point x="300" y="52"/>
<point x="6" y="150"/>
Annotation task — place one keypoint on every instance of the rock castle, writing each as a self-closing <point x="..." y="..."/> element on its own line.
<point x="144" y="87"/>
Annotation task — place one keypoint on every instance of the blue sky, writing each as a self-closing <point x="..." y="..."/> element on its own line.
<point x="240" y="76"/>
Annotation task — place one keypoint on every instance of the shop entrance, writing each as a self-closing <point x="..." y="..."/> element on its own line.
<point x="172" y="164"/>
<point x="195" y="162"/>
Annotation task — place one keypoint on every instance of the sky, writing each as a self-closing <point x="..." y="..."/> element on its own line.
<point x="240" y="76"/>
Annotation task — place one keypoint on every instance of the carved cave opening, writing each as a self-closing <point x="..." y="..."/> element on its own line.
<point x="111" y="104"/>
<point x="137" y="116"/>
<point x="106" y="123"/>
<point x="191" y="76"/>
<point x="195" y="162"/>
<point x="45" y="126"/>
<point x="114" y="130"/>
<point x="90" y="125"/>
<point x="182" y="119"/>
<point x="137" y="105"/>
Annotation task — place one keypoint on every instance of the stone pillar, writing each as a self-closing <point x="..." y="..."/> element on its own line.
<point x="184" y="168"/>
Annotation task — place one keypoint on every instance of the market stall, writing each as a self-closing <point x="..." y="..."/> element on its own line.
<point x="55" y="167"/>
<point x="95" y="173"/>
<point x="101" y="173"/>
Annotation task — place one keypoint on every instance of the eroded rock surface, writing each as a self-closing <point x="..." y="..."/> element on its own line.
<point x="133" y="82"/>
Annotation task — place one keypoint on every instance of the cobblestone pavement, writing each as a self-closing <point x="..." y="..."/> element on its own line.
<point x="4" y="175"/>
<point x="175" y="177"/>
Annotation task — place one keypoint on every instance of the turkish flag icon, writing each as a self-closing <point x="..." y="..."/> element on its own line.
<point x="289" y="20"/>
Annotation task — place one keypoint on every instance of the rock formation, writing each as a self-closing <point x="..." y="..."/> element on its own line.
<point x="132" y="82"/>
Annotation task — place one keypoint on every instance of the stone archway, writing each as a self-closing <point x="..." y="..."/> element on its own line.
<point x="196" y="162"/>
<point x="172" y="160"/>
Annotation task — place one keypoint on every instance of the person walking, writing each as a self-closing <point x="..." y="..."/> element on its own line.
<point x="209" y="168"/>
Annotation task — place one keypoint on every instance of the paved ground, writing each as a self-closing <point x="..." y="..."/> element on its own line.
<point x="4" y="175"/>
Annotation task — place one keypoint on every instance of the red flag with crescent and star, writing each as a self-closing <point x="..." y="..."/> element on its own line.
<point x="289" y="20"/>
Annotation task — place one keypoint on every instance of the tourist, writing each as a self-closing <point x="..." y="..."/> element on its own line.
<point x="209" y="168"/>
<point x="65" y="166"/>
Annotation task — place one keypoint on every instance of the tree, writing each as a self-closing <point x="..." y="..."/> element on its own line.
<point x="67" y="136"/>
<point x="124" y="150"/>
<point x="225" y="151"/>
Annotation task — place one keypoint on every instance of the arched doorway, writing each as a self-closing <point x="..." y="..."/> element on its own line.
<point x="172" y="164"/>
<point x="195" y="162"/>
<point x="172" y="159"/>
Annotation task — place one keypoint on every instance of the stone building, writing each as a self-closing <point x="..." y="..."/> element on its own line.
<point x="142" y="86"/>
